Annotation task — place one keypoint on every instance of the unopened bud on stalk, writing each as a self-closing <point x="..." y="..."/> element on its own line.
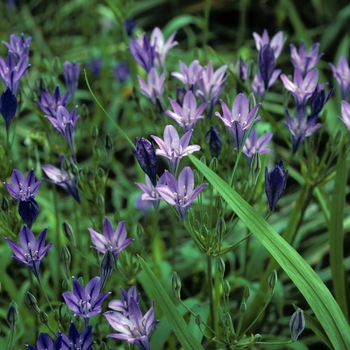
<point x="140" y="231"/>
<point x="65" y="284"/>
<point x="107" y="266"/>
<point x="221" y="229"/>
<point x="43" y="317"/>
<point x="246" y="293"/>
<point x="206" y="219"/>
<point x="255" y="168"/>
<point x="12" y="316"/>
<point x="218" y="205"/>
<point x="68" y="233"/>
<point x="30" y="301"/>
<point x="84" y="111"/>
<point x="109" y="147"/>
<point x="221" y="267"/>
<point x="57" y="66"/>
<point x="272" y="281"/>
<point x="66" y="258"/>
<point x="214" y="165"/>
<point x="103" y="346"/>
<point x="176" y="285"/>
<point x="94" y="133"/>
<point x="257" y="337"/>
<point x="243" y="308"/>
<point x="296" y="324"/>
<point x="198" y="320"/>
<point x="227" y="288"/>
<point x="5" y="205"/>
<point x="100" y="201"/>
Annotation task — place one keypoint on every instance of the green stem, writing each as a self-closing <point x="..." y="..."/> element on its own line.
<point x="210" y="291"/>
<point x="46" y="296"/>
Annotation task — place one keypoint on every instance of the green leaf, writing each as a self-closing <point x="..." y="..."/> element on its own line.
<point x="306" y="280"/>
<point x="177" y="323"/>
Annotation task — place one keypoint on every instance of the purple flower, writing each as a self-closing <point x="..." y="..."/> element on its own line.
<point x="49" y="104"/>
<point x="267" y="64"/>
<point x="18" y="46"/>
<point x="275" y="184"/>
<point x="11" y="73"/>
<point x="239" y="119"/>
<point x="300" y="126"/>
<point x="301" y="88"/>
<point x="174" y="148"/>
<point x="305" y="61"/>
<point x="114" y="240"/>
<point x="180" y="193"/>
<point x="254" y="144"/>
<point x="62" y="178"/>
<point x="32" y="250"/>
<point x="211" y="85"/>
<point x="123" y="305"/>
<point x="65" y="123"/>
<point x="276" y="42"/>
<point x="154" y="87"/>
<point x="191" y="75"/>
<point x="8" y="107"/>
<point x="318" y="99"/>
<point x="213" y="138"/>
<point x="95" y="65"/>
<point x="129" y="25"/>
<point x="71" y="77"/>
<point x="241" y="69"/>
<point x="143" y="52"/>
<point x="161" y="47"/>
<point x="24" y="190"/>
<point x="44" y="342"/>
<point x="76" y="340"/>
<point x="121" y="72"/>
<point x="258" y="85"/>
<point x="136" y="328"/>
<point x="345" y="114"/>
<point x="85" y="302"/>
<point x="146" y="156"/>
<point x="188" y="114"/>
<point x="342" y="74"/>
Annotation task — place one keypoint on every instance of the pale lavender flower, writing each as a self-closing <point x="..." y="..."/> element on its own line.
<point x="180" y="193"/>
<point x="191" y="75"/>
<point x="71" y="77"/>
<point x="49" y="104"/>
<point x="123" y="305"/>
<point x="143" y="52"/>
<point x="254" y="144"/>
<point x="301" y="88"/>
<point x="85" y="302"/>
<point x="8" y="107"/>
<point x="65" y="123"/>
<point x="44" y="342"/>
<point x="258" y="85"/>
<point x="136" y="328"/>
<point x="241" y="69"/>
<point x="276" y="42"/>
<point x="18" y="46"/>
<point x="239" y="119"/>
<point x="62" y="178"/>
<point x="114" y="240"/>
<point x="345" y="114"/>
<point x="173" y="147"/>
<point x="32" y="250"/>
<point x="342" y="74"/>
<point x="211" y="84"/>
<point x="300" y="126"/>
<point x="154" y="88"/>
<point x="11" y="73"/>
<point x="76" y="340"/>
<point x="303" y="60"/>
<point x="162" y="47"/>
<point x="187" y="114"/>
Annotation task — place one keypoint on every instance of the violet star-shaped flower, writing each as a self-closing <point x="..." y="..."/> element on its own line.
<point x="143" y="52"/>
<point x="187" y="114"/>
<point x="342" y="74"/>
<point x="239" y="119"/>
<point x="345" y="114"/>
<point x="65" y="123"/>
<point x="114" y="240"/>
<point x="276" y="43"/>
<point x="62" y="178"/>
<point x="275" y="184"/>
<point x="123" y="305"/>
<point x="32" y="250"/>
<point x="44" y="342"/>
<point x="18" y="46"/>
<point x="10" y="73"/>
<point x="85" y="302"/>
<point x="161" y="47"/>
<point x="154" y="88"/>
<point x="49" y="104"/>
<point x="71" y="76"/>
<point x="8" y="107"/>
<point x="173" y="147"/>
<point x="24" y="190"/>
<point x="301" y="88"/>
<point x="76" y="340"/>
<point x="190" y="75"/>
<point x="180" y="193"/>
<point x="136" y="328"/>
<point x="303" y="60"/>
<point x="254" y="144"/>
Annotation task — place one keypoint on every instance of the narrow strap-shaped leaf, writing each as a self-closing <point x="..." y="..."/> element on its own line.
<point x="306" y="280"/>
<point x="177" y="323"/>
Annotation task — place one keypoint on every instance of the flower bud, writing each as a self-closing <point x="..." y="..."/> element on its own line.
<point x="43" y="317"/>
<point x="94" y="133"/>
<point x="84" y="111"/>
<point x="103" y="346"/>
<point x="257" y="337"/>
<point x="221" y="229"/>
<point x="246" y="293"/>
<point x="109" y="147"/>
<point x="30" y="301"/>
<point x="272" y="281"/>
<point x="255" y="168"/>
<point x="243" y="308"/>
<point x="227" y="288"/>
<point x="66" y="258"/>
<point x="100" y="201"/>
<point x="68" y="233"/>
<point x="176" y="285"/>
<point x="107" y="265"/>
<point x="218" y="205"/>
<point x="140" y="231"/>
<point x="57" y="65"/>
<point x="221" y="267"/>
<point x="198" y="320"/>
<point x="214" y="165"/>
<point x="296" y="324"/>
<point x="12" y="316"/>
<point x="5" y="205"/>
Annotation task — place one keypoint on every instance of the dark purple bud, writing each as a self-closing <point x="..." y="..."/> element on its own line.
<point x="107" y="266"/>
<point x="143" y="53"/>
<point x="95" y="65"/>
<point x="318" y="99"/>
<point x="121" y="72"/>
<point x="180" y="94"/>
<point x="238" y="134"/>
<point x="296" y="324"/>
<point x="8" y="107"/>
<point x="275" y="184"/>
<point x="146" y="156"/>
<point x="129" y="25"/>
<point x="28" y="211"/>
<point x="213" y="138"/>
<point x="267" y="63"/>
